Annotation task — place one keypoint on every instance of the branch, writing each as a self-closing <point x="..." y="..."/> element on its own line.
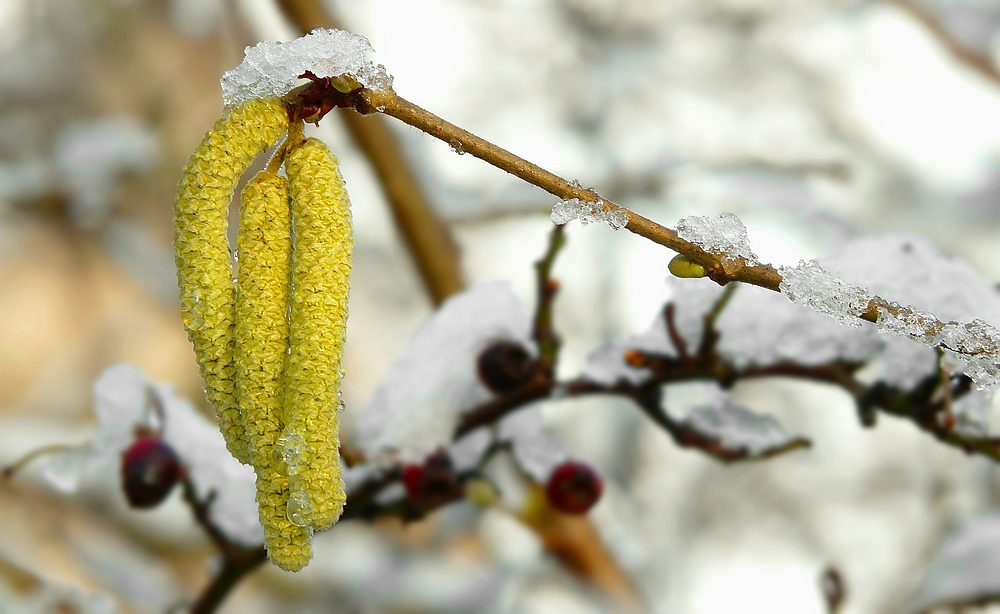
<point x="982" y="64"/>
<point x="237" y="560"/>
<point x="544" y="334"/>
<point x="427" y="238"/>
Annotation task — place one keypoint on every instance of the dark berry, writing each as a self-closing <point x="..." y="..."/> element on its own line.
<point x="432" y="484"/>
<point x="150" y="470"/>
<point x="505" y="366"/>
<point x="573" y="488"/>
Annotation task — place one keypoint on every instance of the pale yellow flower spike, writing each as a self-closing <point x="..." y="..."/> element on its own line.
<point x="321" y="268"/>
<point x="204" y="266"/>
<point x="262" y="289"/>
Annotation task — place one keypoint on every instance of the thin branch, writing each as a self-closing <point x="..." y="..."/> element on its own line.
<point x="237" y="560"/>
<point x="981" y="63"/>
<point x="426" y="236"/>
<point x="544" y="332"/>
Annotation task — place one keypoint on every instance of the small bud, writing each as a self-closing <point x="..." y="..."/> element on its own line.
<point x="434" y="483"/>
<point x="635" y="358"/>
<point x="681" y="267"/>
<point x="150" y="470"/>
<point x="573" y="488"/>
<point x="505" y="367"/>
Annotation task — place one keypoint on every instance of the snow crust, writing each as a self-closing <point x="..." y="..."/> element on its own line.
<point x="273" y="69"/>
<point x="418" y="406"/>
<point x="588" y="212"/>
<point x="723" y="235"/>
<point x="535" y="450"/>
<point x="122" y="402"/>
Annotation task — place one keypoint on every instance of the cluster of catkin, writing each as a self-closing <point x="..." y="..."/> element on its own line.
<point x="269" y="346"/>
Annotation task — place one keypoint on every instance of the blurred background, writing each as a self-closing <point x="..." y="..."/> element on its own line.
<point x="814" y="121"/>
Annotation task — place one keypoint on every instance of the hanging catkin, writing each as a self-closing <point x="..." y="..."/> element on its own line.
<point x="321" y="265"/>
<point x="204" y="264"/>
<point x="262" y="290"/>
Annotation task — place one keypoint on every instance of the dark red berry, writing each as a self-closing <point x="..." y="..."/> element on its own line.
<point x="432" y="484"/>
<point x="573" y="488"/>
<point x="505" y="366"/>
<point x="150" y="470"/>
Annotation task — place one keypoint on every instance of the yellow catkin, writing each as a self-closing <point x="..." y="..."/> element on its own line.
<point x="204" y="265"/>
<point x="321" y="268"/>
<point x="262" y="288"/>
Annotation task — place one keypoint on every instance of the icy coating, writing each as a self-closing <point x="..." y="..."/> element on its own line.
<point x="588" y="212"/>
<point x="810" y="285"/>
<point x="273" y="69"/>
<point x="723" y="235"/>
<point x="976" y="344"/>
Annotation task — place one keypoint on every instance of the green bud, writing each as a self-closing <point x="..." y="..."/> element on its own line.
<point x="680" y="266"/>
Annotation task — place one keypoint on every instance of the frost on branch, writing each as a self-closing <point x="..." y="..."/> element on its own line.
<point x="415" y="411"/>
<point x="273" y="69"/>
<point x="808" y="284"/>
<point x="724" y="236"/>
<point x="588" y="212"/>
<point x="965" y="570"/>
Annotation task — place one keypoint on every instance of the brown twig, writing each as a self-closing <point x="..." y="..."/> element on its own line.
<point x="544" y="332"/>
<point x="981" y="63"/>
<point x="237" y="560"/>
<point x="427" y="238"/>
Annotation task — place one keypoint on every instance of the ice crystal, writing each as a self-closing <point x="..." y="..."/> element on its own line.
<point x="588" y="212"/>
<point x="975" y="344"/>
<point x="273" y="69"/>
<point x="810" y="285"/>
<point x="724" y="236"/>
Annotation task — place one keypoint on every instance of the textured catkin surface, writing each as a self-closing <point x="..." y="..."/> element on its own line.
<point x="204" y="265"/>
<point x="321" y="267"/>
<point x="262" y="289"/>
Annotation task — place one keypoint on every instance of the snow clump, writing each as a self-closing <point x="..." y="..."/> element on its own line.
<point x="724" y="236"/>
<point x="588" y="212"/>
<point x="273" y="69"/>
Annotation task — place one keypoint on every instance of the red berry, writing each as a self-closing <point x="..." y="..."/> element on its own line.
<point x="150" y="470"/>
<point x="505" y="367"/>
<point x="432" y="484"/>
<point x="573" y="488"/>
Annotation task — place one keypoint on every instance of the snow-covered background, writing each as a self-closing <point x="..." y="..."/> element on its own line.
<point x="816" y="122"/>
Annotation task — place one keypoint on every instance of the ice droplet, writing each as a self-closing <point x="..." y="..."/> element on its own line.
<point x="297" y="508"/>
<point x="457" y="146"/>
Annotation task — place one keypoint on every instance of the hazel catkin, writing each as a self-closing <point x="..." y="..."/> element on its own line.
<point x="262" y="290"/>
<point x="321" y="265"/>
<point x="201" y="249"/>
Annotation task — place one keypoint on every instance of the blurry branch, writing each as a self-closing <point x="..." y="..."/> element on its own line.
<point x="427" y="238"/>
<point x="544" y="334"/>
<point x="237" y="560"/>
<point x="982" y="64"/>
<point x="834" y="590"/>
